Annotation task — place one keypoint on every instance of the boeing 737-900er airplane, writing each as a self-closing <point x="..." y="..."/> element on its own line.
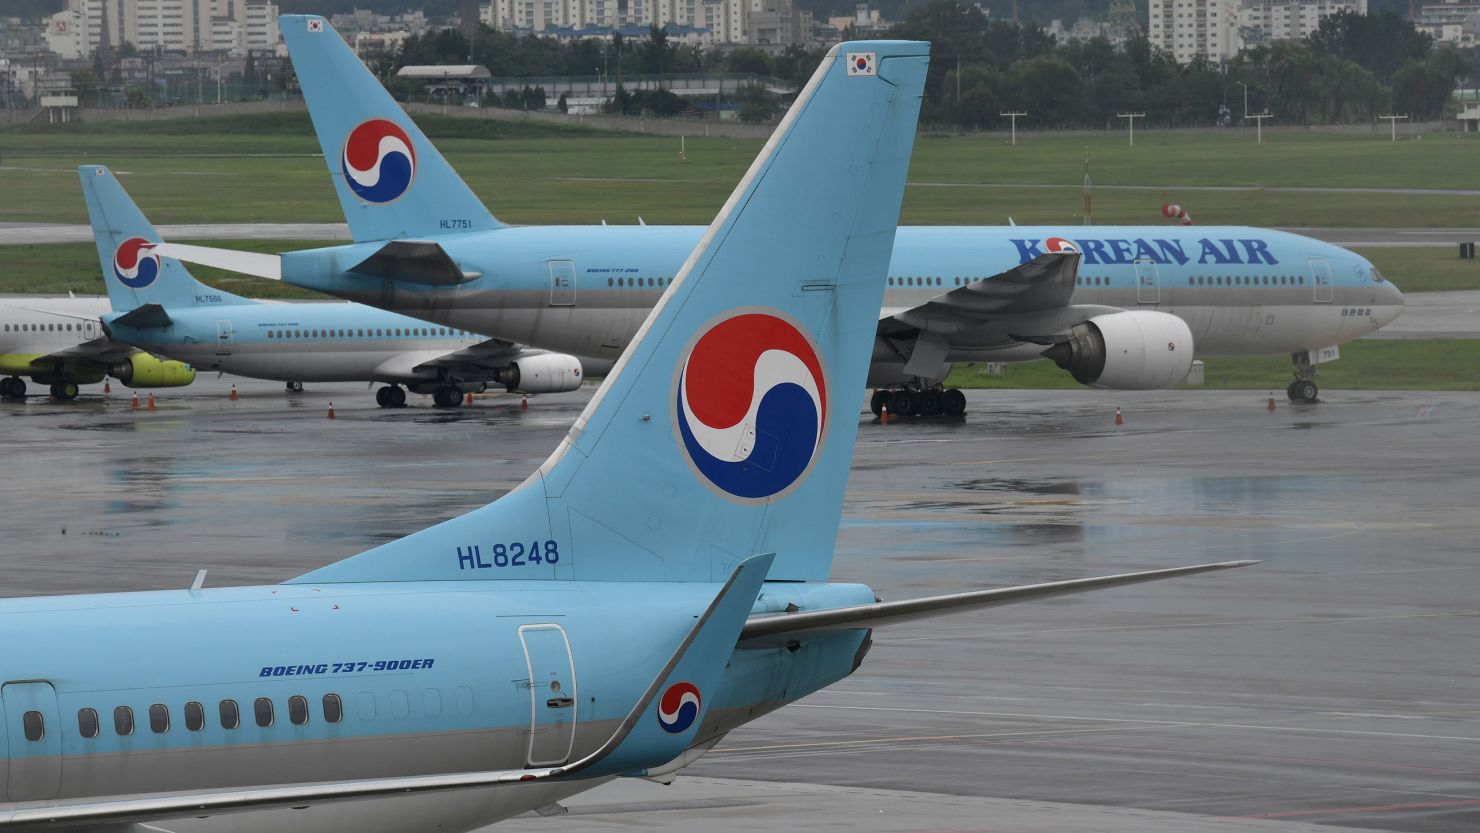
<point x="159" y="306"/>
<point x="659" y="581"/>
<point x="60" y="342"/>
<point x="1118" y="307"/>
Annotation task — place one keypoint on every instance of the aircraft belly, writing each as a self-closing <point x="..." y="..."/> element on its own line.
<point x="446" y="812"/>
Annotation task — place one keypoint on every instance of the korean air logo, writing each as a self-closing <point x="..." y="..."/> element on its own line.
<point x="134" y="264"/>
<point x="378" y="161"/>
<point x="678" y="708"/>
<point x="751" y="409"/>
<point x="1059" y="244"/>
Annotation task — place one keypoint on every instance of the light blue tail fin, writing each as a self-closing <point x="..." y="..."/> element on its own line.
<point x="391" y="181"/>
<point x="133" y="274"/>
<point x="727" y="428"/>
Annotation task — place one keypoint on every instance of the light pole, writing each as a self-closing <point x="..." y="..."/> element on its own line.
<point x="1014" y="117"/>
<point x="1130" y="119"/>
<point x="1246" y="97"/>
<point x="218" y="78"/>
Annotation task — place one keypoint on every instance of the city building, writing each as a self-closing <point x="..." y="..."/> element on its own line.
<point x="185" y="26"/>
<point x="702" y="22"/>
<point x="1220" y="29"/>
<point x="1452" y="21"/>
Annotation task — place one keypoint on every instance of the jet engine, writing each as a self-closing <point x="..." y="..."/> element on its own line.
<point x="142" y="370"/>
<point x="542" y="373"/>
<point x="1135" y="350"/>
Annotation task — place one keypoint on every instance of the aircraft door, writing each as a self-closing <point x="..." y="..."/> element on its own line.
<point x="562" y="283"/>
<point x="225" y="337"/>
<point x="1320" y="271"/>
<point x="552" y="694"/>
<point x="90" y="329"/>
<point x="1148" y="284"/>
<point x="33" y="727"/>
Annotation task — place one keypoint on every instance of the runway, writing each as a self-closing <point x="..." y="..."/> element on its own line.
<point x="1332" y="685"/>
<point x="15" y="234"/>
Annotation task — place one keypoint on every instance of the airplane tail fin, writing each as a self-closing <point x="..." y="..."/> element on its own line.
<point x="133" y="273"/>
<point x="726" y="430"/>
<point x="391" y="181"/>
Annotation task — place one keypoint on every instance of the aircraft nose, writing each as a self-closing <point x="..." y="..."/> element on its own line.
<point x="1389" y="304"/>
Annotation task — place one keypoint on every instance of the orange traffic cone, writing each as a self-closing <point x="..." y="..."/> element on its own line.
<point x="233" y="393"/>
<point x="331" y="411"/>
<point x="524" y="404"/>
<point x="470" y="397"/>
<point x="107" y="386"/>
<point x="1119" y="420"/>
<point x="1271" y="403"/>
<point x="884" y="415"/>
<point x="136" y="400"/>
<point x="151" y="400"/>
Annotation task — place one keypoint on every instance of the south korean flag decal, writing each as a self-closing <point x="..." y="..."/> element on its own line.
<point x="862" y="63"/>
<point x="316" y="26"/>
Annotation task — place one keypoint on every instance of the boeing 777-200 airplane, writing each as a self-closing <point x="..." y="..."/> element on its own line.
<point x="659" y="581"/>
<point x="1116" y="306"/>
<point x="159" y="306"/>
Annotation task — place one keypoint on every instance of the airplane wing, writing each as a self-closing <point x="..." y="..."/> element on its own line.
<point x="779" y="628"/>
<point x="485" y="355"/>
<point x="101" y="349"/>
<point x="1043" y="283"/>
<point x="717" y="625"/>
<point x="414" y="261"/>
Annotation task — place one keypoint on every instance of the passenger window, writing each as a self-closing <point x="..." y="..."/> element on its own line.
<point x="269" y="334"/>
<point x="195" y="716"/>
<point x="262" y="708"/>
<point x="159" y="718"/>
<point x="400" y="704"/>
<point x="87" y="723"/>
<point x="367" y="705"/>
<point x="431" y="701"/>
<point x="231" y="716"/>
<point x="298" y="710"/>
<point x="123" y="720"/>
<point x="34" y="725"/>
<point x="333" y="708"/>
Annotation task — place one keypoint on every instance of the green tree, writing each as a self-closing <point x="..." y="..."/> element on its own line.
<point x="749" y="59"/>
<point x="1381" y="43"/>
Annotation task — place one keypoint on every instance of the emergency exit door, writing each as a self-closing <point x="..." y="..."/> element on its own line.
<point x="225" y="337"/>
<point x="552" y="694"/>
<point x="562" y="283"/>
<point x="33" y="732"/>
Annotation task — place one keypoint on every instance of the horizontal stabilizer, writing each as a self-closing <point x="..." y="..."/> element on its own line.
<point x="245" y="263"/>
<point x="791" y="625"/>
<point x="1043" y="283"/>
<point x="413" y="261"/>
<point x="148" y="316"/>
<point x="701" y="656"/>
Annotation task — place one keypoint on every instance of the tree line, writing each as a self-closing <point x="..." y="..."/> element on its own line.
<point x="1352" y="69"/>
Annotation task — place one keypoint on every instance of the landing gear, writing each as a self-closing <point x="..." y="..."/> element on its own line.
<point x="13" y="387"/>
<point x="1304" y="388"/>
<point x="294" y="387"/>
<point x="447" y="396"/>
<point x="925" y="401"/>
<point x="391" y="396"/>
<point x="64" y="391"/>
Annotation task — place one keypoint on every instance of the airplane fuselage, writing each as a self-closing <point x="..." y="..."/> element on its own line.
<point x="299" y="342"/>
<point x="132" y="693"/>
<point x="586" y="289"/>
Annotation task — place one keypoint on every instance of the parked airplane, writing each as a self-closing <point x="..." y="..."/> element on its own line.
<point x="1141" y="301"/>
<point x="60" y="342"/>
<point x="661" y="580"/>
<point x="159" y="306"/>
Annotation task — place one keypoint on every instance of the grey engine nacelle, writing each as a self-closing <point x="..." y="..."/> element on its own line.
<point x="1136" y="350"/>
<point x="543" y="373"/>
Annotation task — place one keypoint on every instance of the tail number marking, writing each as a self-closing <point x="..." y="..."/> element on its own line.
<point x="514" y="554"/>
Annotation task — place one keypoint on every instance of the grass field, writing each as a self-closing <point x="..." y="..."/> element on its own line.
<point x="1397" y="364"/>
<point x="267" y="168"/>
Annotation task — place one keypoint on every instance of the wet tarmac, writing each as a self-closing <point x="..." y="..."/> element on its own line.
<point x="1335" y="684"/>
